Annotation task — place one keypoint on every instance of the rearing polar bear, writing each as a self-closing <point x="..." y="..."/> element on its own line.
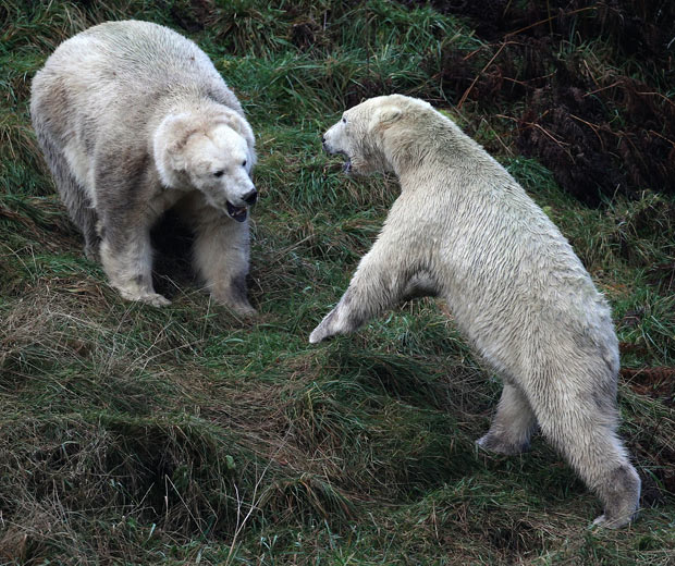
<point x="465" y="230"/>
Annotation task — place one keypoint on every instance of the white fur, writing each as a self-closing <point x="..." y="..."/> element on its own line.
<point x="134" y="119"/>
<point x="81" y="169"/>
<point x="464" y="229"/>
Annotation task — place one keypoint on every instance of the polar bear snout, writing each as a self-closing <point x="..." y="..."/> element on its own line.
<point x="331" y="149"/>
<point x="327" y="147"/>
<point x="251" y="198"/>
<point x="332" y="140"/>
<point x="240" y="190"/>
<point x="238" y="210"/>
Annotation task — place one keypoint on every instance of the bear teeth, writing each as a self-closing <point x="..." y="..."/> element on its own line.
<point x="237" y="213"/>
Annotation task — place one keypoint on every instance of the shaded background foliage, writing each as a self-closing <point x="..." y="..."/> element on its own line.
<point x="604" y="130"/>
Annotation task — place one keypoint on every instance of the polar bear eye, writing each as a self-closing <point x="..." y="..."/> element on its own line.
<point x="219" y="173"/>
<point x="344" y="120"/>
<point x="244" y="163"/>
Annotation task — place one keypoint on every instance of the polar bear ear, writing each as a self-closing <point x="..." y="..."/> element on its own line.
<point x="385" y="116"/>
<point x="239" y="125"/>
<point x="168" y="145"/>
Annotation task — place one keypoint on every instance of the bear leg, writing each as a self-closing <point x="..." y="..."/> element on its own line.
<point x="221" y="255"/>
<point x="512" y="425"/>
<point x="127" y="260"/>
<point x="582" y="426"/>
<point x="377" y="284"/>
<point x="73" y="195"/>
<point x="620" y="493"/>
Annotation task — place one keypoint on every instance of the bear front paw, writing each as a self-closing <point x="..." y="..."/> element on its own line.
<point x="319" y="334"/>
<point x="331" y="325"/>
<point x="238" y="305"/>
<point x="244" y="311"/>
<point x="152" y="299"/>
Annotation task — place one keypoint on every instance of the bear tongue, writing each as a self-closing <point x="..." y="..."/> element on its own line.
<point x="237" y="213"/>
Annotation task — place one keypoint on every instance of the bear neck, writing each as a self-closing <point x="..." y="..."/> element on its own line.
<point x="431" y="150"/>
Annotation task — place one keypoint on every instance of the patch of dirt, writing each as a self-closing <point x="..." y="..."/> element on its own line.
<point x="569" y="129"/>
<point x="633" y="28"/>
<point x="552" y="129"/>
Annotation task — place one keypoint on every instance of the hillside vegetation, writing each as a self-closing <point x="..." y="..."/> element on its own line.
<point x="183" y="435"/>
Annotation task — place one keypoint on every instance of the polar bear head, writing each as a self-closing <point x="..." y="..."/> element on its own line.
<point x="371" y="135"/>
<point x="213" y="153"/>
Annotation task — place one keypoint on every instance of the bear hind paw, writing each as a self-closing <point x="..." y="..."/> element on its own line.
<point x="493" y="443"/>
<point x="605" y="522"/>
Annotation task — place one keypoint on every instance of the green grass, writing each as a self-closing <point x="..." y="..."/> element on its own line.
<point x="133" y="435"/>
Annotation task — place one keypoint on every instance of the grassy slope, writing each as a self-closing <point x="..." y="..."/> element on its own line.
<point x="135" y="435"/>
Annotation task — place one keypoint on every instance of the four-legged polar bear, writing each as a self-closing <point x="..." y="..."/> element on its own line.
<point x="134" y="119"/>
<point x="464" y="229"/>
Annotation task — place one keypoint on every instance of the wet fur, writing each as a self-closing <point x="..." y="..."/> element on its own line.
<point x="515" y="286"/>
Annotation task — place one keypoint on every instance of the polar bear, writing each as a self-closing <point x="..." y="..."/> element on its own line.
<point x="134" y="119"/>
<point x="462" y="228"/>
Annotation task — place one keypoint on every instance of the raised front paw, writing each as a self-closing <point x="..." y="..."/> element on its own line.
<point x="324" y="330"/>
<point x="317" y="335"/>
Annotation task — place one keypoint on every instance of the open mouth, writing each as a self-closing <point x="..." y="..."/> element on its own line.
<point x="347" y="167"/>
<point x="237" y="213"/>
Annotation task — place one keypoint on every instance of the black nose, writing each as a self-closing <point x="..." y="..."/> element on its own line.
<point x="251" y="198"/>
<point x="323" y="139"/>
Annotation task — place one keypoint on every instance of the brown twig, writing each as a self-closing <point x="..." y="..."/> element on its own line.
<point x="664" y="138"/>
<point x="549" y="134"/>
<point x="657" y="94"/>
<point x="590" y="74"/>
<point x="539" y="127"/>
<point x="540" y="22"/>
<point x="617" y="83"/>
<point x="592" y="127"/>
<point x="475" y="80"/>
<point x="473" y="53"/>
